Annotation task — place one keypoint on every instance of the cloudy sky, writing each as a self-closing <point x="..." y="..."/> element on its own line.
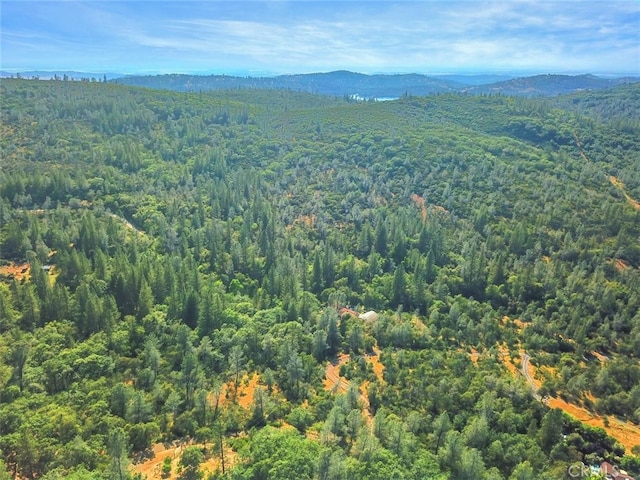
<point x="261" y="37"/>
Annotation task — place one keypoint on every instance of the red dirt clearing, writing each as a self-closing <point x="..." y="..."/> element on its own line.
<point x="245" y="393"/>
<point x="151" y="469"/>
<point x="626" y="433"/>
<point x="621" y="265"/>
<point x="214" y="463"/>
<point x="505" y="357"/>
<point x="519" y="324"/>
<point x="419" y="201"/>
<point x="307" y="220"/>
<point x="601" y="358"/>
<point x="19" y="271"/>
<point x="378" y="367"/>
<point x="474" y="355"/>
<point x="333" y="382"/>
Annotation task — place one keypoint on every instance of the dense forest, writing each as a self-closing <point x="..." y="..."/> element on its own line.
<point x="186" y="269"/>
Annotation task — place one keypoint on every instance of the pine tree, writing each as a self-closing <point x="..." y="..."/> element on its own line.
<point x="334" y="339"/>
<point x="316" y="274"/>
<point x="145" y="301"/>
<point x="117" y="450"/>
<point x="190" y="310"/>
<point x="399" y="286"/>
<point x="381" y="239"/>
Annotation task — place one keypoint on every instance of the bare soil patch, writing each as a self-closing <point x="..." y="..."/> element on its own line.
<point x="127" y="224"/>
<point x="19" y="271"/>
<point x="519" y="324"/>
<point x="419" y="201"/>
<point x="378" y="367"/>
<point x="617" y="183"/>
<point x="152" y="467"/>
<point x="621" y="265"/>
<point x="246" y="390"/>
<point x="505" y="358"/>
<point x="626" y="433"/>
<point x="474" y="355"/>
<point x="601" y="358"/>
<point x="214" y="463"/>
<point x="333" y="382"/>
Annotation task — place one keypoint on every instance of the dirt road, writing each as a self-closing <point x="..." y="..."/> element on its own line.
<point x="626" y="433"/>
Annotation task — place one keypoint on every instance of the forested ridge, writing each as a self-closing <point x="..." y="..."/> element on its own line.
<point x="161" y="252"/>
<point x="344" y="83"/>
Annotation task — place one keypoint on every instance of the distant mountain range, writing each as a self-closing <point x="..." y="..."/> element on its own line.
<point x="337" y="83"/>
<point x="358" y="85"/>
<point x="341" y="83"/>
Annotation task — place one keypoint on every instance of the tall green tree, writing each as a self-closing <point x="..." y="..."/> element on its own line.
<point x="190" y="462"/>
<point x="117" y="450"/>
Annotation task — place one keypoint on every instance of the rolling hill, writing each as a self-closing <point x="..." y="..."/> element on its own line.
<point x="184" y="274"/>
<point x="344" y="83"/>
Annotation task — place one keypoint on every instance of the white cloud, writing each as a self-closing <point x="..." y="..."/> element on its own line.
<point x="358" y="35"/>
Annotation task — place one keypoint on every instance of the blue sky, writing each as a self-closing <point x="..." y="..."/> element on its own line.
<point x="261" y="37"/>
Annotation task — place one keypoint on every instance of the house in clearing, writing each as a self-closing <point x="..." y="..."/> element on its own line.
<point x="369" y="316"/>
<point x="612" y="473"/>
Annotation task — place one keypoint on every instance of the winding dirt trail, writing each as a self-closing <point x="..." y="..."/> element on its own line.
<point x="127" y="224"/>
<point x="529" y="376"/>
<point x="579" y="145"/>
<point x="617" y="183"/>
<point x="627" y="433"/>
<point x="337" y="384"/>
<point x="614" y="181"/>
<point x="333" y="382"/>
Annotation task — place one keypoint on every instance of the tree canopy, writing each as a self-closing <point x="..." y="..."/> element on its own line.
<point x="192" y="267"/>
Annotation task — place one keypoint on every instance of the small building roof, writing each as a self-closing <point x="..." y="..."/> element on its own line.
<point x="369" y="316"/>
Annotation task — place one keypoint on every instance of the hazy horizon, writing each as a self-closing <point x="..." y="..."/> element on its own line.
<point x="76" y="74"/>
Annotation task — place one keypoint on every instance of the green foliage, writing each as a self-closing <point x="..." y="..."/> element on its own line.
<point x="190" y="462"/>
<point x="166" y="467"/>
<point x="280" y="455"/>
<point x="176" y="245"/>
